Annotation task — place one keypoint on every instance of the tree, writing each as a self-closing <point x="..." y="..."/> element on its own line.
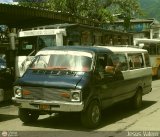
<point x="100" y="10"/>
<point x="123" y="9"/>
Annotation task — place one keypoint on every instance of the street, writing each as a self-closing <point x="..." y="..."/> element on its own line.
<point x="115" y="119"/>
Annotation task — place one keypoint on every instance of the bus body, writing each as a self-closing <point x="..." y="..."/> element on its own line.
<point x="33" y="39"/>
<point x="82" y="79"/>
<point x="153" y="48"/>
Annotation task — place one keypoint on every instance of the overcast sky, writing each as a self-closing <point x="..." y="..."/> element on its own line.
<point x="6" y="1"/>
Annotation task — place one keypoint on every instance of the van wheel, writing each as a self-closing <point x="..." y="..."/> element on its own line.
<point x="137" y="99"/>
<point x="28" y="116"/>
<point x="91" y="117"/>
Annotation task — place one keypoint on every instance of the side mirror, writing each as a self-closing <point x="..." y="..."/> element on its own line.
<point x="109" y="69"/>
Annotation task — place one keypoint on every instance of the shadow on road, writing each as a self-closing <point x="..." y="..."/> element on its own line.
<point x="121" y="111"/>
<point x="155" y="78"/>
<point x="69" y="121"/>
<point x="72" y="121"/>
<point x="6" y="103"/>
<point x="5" y="117"/>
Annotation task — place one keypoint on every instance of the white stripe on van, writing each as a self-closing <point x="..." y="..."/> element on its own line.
<point x="131" y="74"/>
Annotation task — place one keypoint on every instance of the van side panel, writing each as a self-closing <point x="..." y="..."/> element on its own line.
<point x="124" y="89"/>
<point x="133" y="78"/>
<point x="141" y="76"/>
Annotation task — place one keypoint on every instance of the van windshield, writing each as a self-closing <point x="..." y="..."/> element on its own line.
<point x="74" y="61"/>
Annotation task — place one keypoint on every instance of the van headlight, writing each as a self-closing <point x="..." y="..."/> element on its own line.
<point x="18" y="91"/>
<point x="76" y="95"/>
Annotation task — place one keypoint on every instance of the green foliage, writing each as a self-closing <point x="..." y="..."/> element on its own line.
<point x="100" y="10"/>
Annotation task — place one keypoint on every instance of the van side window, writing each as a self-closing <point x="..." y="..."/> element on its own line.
<point x="135" y="61"/>
<point x="147" y="61"/>
<point x="101" y="62"/>
<point x="120" y="62"/>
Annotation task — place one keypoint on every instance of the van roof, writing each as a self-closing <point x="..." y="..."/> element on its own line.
<point x="124" y="49"/>
<point x="79" y="48"/>
<point x="96" y="49"/>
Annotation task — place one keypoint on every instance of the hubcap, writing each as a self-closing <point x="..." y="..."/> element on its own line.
<point x="95" y="114"/>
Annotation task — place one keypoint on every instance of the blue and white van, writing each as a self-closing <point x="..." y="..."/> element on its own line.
<point x="82" y="79"/>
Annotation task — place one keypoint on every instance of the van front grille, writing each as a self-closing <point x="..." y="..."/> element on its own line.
<point x="48" y="94"/>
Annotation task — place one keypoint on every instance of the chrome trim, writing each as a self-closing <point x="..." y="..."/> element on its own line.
<point x="54" y="105"/>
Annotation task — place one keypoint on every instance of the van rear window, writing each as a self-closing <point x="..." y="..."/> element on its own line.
<point x="135" y="61"/>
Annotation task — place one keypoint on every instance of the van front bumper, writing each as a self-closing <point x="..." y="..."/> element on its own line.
<point x="44" y="105"/>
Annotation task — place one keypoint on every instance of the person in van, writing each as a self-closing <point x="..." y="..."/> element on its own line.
<point x="118" y="68"/>
<point x="63" y="84"/>
<point x="115" y="67"/>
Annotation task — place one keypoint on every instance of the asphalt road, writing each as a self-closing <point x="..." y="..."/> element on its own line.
<point x="118" y="120"/>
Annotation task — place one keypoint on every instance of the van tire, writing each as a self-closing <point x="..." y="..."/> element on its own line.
<point x="91" y="117"/>
<point x="137" y="99"/>
<point x="28" y="116"/>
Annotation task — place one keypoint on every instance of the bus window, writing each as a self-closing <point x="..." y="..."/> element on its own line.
<point x="29" y="44"/>
<point x="46" y="41"/>
<point x="26" y="45"/>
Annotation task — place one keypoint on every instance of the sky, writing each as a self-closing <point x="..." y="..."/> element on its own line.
<point x="6" y="1"/>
